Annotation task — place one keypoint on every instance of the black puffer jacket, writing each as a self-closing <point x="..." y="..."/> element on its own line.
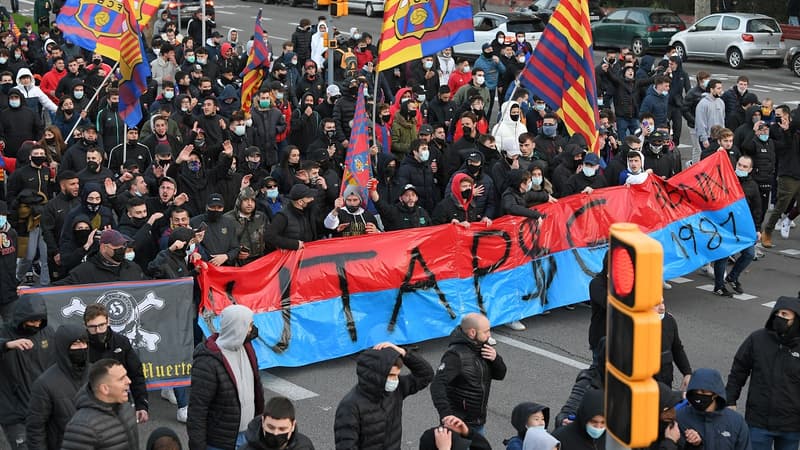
<point x="420" y="175"/>
<point x="117" y="346"/>
<point x="671" y="351"/>
<point x="463" y="380"/>
<point x="368" y="417"/>
<point x="214" y="408"/>
<point x="100" y="426"/>
<point x="255" y="431"/>
<point x="53" y="393"/>
<point x="19" y="369"/>
<point x="753" y="196"/>
<point x="770" y="361"/>
<point x="690" y="102"/>
<point x="291" y="226"/>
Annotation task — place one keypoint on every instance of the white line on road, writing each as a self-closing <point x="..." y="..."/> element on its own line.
<point x="285" y="388"/>
<point x="769" y="305"/>
<point x="540" y="351"/>
<point x="680" y="280"/>
<point x="744" y="297"/>
<point x="791" y="252"/>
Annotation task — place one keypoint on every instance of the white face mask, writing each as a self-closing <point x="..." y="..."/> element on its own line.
<point x="249" y="122"/>
<point x="424" y="155"/>
<point x="391" y="385"/>
<point x="130" y="256"/>
<point x="661" y="316"/>
<point x="479" y="79"/>
<point x="530" y="186"/>
<point x="239" y="130"/>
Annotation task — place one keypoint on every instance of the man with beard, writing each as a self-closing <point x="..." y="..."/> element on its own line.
<point x="348" y="218"/>
<point x="250" y="226"/>
<point x="53" y="393"/>
<point x="95" y="171"/>
<point x="27" y="352"/>
<point x="161" y="136"/>
<point x="465" y="394"/>
<point x="312" y="83"/>
<point x="220" y="240"/>
<point x="107" y="343"/>
<point x="138" y="224"/>
<point x="403" y="214"/>
<point x="53" y="216"/>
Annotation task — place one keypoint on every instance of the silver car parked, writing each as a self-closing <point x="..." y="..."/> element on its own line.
<point x="733" y="37"/>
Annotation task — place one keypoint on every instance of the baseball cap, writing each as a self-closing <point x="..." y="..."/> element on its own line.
<point x="410" y="187"/>
<point x="215" y="200"/>
<point x="333" y="90"/>
<point x="114" y="237"/>
<point x="216" y="34"/>
<point x="485" y="46"/>
<point x="474" y="157"/>
<point x="425" y="129"/>
<point x="592" y="159"/>
<point x="301" y="191"/>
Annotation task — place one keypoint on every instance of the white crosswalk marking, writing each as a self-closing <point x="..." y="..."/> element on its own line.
<point x="790" y="252"/>
<point x="680" y="280"/>
<point x="769" y="305"/>
<point x="706" y="287"/>
<point x="285" y="388"/>
<point x="744" y="297"/>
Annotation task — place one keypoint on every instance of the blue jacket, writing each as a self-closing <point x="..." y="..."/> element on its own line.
<point x="491" y="70"/>
<point x="656" y="104"/>
<point x="721" y="429"/>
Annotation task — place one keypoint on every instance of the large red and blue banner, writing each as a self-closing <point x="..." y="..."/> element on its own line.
<point x="336" y="297"/>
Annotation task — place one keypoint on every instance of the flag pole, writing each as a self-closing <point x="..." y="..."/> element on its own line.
<point x="375" y="109"/>
<point x="94" y="97"/>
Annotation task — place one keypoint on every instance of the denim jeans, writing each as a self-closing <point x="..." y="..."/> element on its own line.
<point x="719" y="273"/>
<point x="626" y="126"/>
<point x="744" y="260"/>
<point x="181" y="396"/>
<point x="762" y="439"/>
<point x="35" y="242"/>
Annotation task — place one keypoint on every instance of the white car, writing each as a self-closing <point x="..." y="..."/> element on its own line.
<point x="733" y="37"/>
<point x="487" y="24"/>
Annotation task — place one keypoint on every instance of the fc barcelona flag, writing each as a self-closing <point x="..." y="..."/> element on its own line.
<point x="133" y="68"/>
<point x="98" y="26"/>
<point x="257" y="63"/>
<point x="357" y="170"/>
<point x="416" y="28"/>
<point x="560" y="71"/>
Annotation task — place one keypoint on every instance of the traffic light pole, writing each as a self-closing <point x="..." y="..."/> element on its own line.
<point x="329" y="19"/>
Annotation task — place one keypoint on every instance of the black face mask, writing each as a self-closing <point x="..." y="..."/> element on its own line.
<point x="466" y="194"/>
<point x="92" y="166"/>
<point x="252" y="335"/>
<point x="386" y="117"/>
<point x="99" y="338"/>
<point x="78" y="357"/>
<point x="113" y="106"/>
<point x="93" y="207"/>
<point x="26" y="330"/>
<point x="138" y="222"/>
<point x="411" y="114"/>
<point x="699" y="401"/>
<point x="88" y="143"/>
<point x="274" y="440"/>
<point x="780" y="325"/>
<point x="474" y="171"/>
<point x="330" y="133"/>
<point x="466" y="130"/>
<point x="38" y="160"/>
<point x="6" y="87"/>
<point x="352" y="209"/>
<point x="119" y="255"/>
<point x="81" y="236"/>
<point x="253" y="165"/>
<point x="389" y="171"/>
<point x="163" y="162"/>
<point x="213" y="216"/>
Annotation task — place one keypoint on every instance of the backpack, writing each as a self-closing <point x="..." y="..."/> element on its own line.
<point x="349" y="62"/>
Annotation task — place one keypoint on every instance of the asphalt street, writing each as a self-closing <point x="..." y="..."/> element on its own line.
<point x="543" y="360"/>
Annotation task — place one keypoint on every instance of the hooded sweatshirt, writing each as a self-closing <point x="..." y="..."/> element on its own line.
<point x="507" y="132"/>
<point x="721" y="428"/>
<point x="574" y="435"/>
<point x="519" y="420"/>
<point x="234" y="326"/>
<point x="33" y="95"/>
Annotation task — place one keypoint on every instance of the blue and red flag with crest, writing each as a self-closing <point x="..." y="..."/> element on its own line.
<point x="357" y="169"/>
<point x="133" y="68"/>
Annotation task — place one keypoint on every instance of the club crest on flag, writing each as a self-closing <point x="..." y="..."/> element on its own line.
<point x="414" y="18"/>
<point x="104" y="19"/>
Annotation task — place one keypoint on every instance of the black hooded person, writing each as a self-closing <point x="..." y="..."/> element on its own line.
<point x="53" y="394"/>
<point x="589" y="428"/>
<point x="195" y="179"/>
<point x="220" y="239"/>
<point x="707" y="422"/>
<point x="25" y="340"/>
<point x="8" y="265"/>
<point x="100" y="216"/>
<point x="369" y="417"/>
<point x="524" y="416"/>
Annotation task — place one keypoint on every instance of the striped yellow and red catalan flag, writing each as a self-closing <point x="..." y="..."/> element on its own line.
<point x="561" y="72"/>
<point x="414" y="29"/>
<point x="133" y="68"/>
<point x="257" y="63"/>
<point x="13" y="27"/>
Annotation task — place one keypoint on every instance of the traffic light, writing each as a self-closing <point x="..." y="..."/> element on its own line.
<point x="338" y="8"/>
<point x="633" y="342"/>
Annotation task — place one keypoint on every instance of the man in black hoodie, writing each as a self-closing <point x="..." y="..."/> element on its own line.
<point x="369" y="417"/>
<point x="25" y="341"/>
<point x="769" y="358"/>
<point x="53" y="393"/>
<point x="588" y="429"/>
<point x="53" y="216"/>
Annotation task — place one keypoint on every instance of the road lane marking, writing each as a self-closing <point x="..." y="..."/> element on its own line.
<point x="540" y="351"/>
<point x="284" y="387"/>
<point x="680" y="280"/>
<point x="769" y="305"/>
<point x="744" y="297"/>
<point x="790" y="252"/>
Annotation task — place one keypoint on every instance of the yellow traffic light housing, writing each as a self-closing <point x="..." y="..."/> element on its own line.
<point x="633" y="342"/>
<point x="323" y="2"/>
<point x="338" y="8"/>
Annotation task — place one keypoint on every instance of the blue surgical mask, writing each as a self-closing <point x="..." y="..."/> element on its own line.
<point x="540" y="106"/>
<point x="78" y="95"/>
<point x="741" y="173"/>
<point x="763" y="137"/>
<point x="391" y="385"/>
<point x="705" y="84"/>
<point x="272" y="193"/>
<point x="537" y="180"/>
<point x="190" y="59"/>
<point x="549" y="130"/>
<point x="424" y="155"/>
<point x="14" y="103"/>
<point x="169" y="95"/>
<point x="593" y="432"/>
<point x="665" y="93"/>
<point x="239" y="130"/>
<point x="3" y="221"/>
<point x="130" y="256"/>
<point x="589" y="171"/>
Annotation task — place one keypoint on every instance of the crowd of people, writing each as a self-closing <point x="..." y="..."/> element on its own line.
<point x="87" y="199"/>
